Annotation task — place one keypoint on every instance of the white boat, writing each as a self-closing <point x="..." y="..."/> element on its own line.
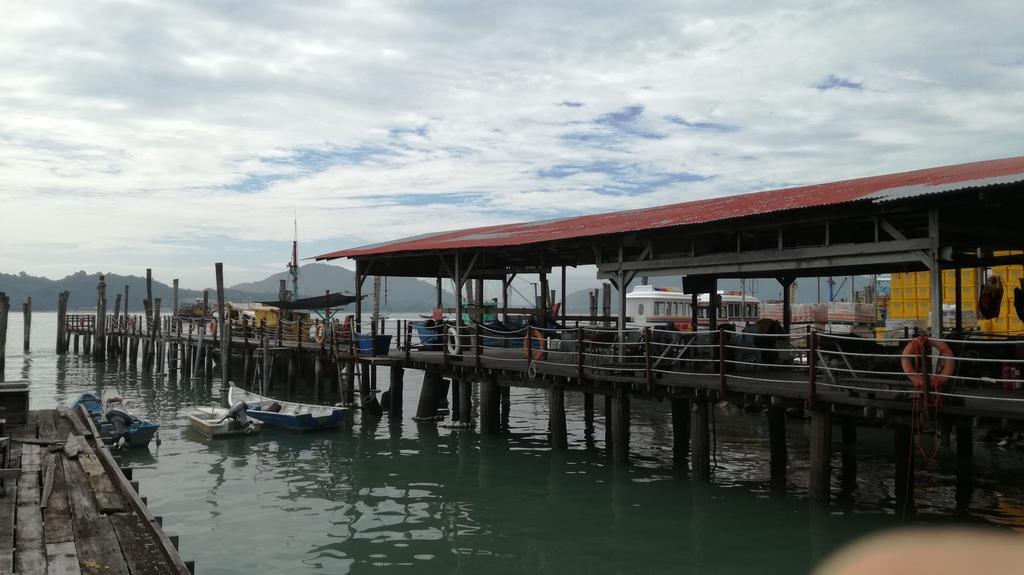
<point x="215" y="422"/>
<point x="287" y="414"/>
<point x="658" y="306"/>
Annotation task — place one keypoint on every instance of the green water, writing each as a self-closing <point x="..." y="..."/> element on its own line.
<point x="394" y="495"/>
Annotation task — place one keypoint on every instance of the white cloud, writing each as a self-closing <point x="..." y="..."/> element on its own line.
<point x="132" y="132"/>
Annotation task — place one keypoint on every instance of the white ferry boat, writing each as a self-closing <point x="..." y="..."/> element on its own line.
<point x="659" y="306"/>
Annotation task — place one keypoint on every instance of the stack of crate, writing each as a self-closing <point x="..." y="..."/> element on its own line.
<point x="910" y="298"/>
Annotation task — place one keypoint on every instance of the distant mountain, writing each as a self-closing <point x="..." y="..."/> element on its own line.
<point x="397" y="294"/>
<point x="82" y="287"/>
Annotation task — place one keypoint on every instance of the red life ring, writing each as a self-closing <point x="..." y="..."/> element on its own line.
<point x="531" y="352"/>
<point x="319" y="336"/>
<point x="912" y="363"/>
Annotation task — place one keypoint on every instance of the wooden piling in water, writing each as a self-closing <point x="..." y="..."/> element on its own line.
<point x="556" y="418"/>
<point x="5" y="308"/>
<point x="126" y="337"/>
<point x="26" y="310"/>
<point x="490" y="408"/>
<point x="62" y="318"/>
<point x="456" y="403"/>
<point x="700" y="440"/>
<point x="466" y="402"/>
<point x="99" y="348"/>
<point x="225" y="339"/>
<point x="849" y="447"/>
<point x="680" y="432"/>
<point x="777" y="445"/>
<point x="588" y="413"/>
<point x="819" y="482"/>
<point x="903" y="453"/>
<point x="620" y="428"/>
<point x="147" y="360"/>
<point x="431" y="392"/>
<point x="395" y="391"/>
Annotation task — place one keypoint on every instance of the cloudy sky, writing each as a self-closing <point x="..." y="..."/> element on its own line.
<point x="175" y="134"/>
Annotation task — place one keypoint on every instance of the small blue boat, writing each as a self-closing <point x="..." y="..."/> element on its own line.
<point x="287" y="414"/>
<point x="113" y="420"/>
<point x="431" y="334"/>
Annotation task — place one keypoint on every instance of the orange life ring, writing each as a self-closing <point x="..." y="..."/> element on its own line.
<point x="912" y="363"/>
<point x="319" y="335"/>
<point x="531" y="352"/>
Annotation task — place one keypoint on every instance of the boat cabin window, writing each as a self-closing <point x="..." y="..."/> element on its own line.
<point x="659" y="308"/>
<point x="640" y="309"/>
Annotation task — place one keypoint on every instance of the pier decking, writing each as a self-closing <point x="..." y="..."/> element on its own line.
<point x="67" y="507"/>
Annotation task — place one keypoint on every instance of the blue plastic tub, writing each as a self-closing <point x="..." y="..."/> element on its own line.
<point x="370" y="345"/>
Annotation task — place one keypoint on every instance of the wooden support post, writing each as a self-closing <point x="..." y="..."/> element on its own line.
<point x="556" y="418"/>
<point x="265" y="372"/>
<point x="431" y="392"/>
<point x="466" y="402"/>
<point x="609" y="440"/>
<point x="318" y="377"/>
<point x="26" y="311"/>
<point x="225" y="331"/>
<point x="700" y="440"/>
<point x="681" y="410"/>
<point x="350" y="383"/>
<point x="965" y="466"/>
<point x="588" y="413"/>
<point x="505" y="393"/>
<point x="293" y="366"/>
<point x="490" y="408"/>
<point x="99" y="351"/>
<point x="903" y="453"/>
<point x="787" y="303"/>
<point x="396" y="391"/>
<point x="820" y="474"/>
<point x="694" y="311"/>
<point x="849" y="447"/>
<point x="620" y="428"/>
<point x="62" y="318"/>
<point x="5" y="308"/>
<point x="148" y="305"/>
<point x="456" y="403"/>
<point x="154" y="331"/>
<point x="777" y="445"/>
<point x="934" y="274"/>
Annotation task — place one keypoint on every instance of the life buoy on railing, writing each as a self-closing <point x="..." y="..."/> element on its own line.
<point x="913" y="364"/>
<point x="319" y="334"/>
<point x="535" y="352"/>
<point x="451" y="340"/>
<point x="213" y="328"/>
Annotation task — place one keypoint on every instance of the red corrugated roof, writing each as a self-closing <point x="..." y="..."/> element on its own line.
<point x="875" y="188"/>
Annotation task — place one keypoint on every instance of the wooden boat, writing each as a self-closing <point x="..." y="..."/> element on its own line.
<point x="217" y="422"/>
<point x="114" y="421"/>
<point x="287" y="414"/>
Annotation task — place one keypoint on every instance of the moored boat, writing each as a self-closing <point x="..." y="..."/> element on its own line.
<point x="216" y="422"/>
<point x="113" y="420"/>
<point x="287" y="414"/>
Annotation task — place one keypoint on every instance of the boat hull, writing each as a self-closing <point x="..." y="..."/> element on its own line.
<point x="294" y="416"/>
<point x="212" y="423"/>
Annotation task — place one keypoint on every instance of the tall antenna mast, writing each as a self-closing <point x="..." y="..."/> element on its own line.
<point x="293" y="266"/>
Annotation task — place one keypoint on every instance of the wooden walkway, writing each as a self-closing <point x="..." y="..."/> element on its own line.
<point x="70" y="509"/>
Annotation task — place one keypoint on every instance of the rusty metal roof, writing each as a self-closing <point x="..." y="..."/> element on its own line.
<point x="876" y="188"/>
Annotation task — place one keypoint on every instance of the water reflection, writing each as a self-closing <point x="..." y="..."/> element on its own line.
<point x="389" y="492"/>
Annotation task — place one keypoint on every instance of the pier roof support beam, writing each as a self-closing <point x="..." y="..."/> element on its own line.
<point x="801" y="261"/>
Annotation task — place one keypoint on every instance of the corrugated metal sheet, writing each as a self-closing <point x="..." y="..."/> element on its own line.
<point x="877" y="189"/>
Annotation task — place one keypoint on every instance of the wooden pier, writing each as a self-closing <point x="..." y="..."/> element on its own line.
<point x="67" y="507"/>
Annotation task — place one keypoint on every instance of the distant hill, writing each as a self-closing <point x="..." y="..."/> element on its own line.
<point x="398" y="294"/>
<point x="83" y="291"/>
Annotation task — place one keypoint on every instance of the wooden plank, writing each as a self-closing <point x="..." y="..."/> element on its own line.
<point x="107" y="497"/>
<point x="57" y="517"/>
<point x="98" y="550"/>
<point x="90" y="425"/>
<point x="139" y="547"/>
<point x="80" y="427"/>
<point x="62" y="559"/>
<point x="169" y="550"/>
<point x="7" y="528"/>
<point x="47" y="427"/>
<point x="62" y="419"/>
<point x="30" y="555"/>
<point x="48" y="470"/>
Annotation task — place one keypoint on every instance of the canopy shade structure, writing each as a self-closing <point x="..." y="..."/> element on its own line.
<point x="315" y="302"/>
